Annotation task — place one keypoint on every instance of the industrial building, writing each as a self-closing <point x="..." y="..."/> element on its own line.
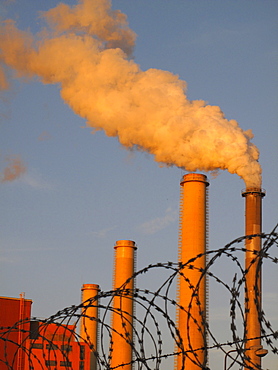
<point x="65" y="346"/>
<point x="13" y="310"/>
<point x="26" y="344"/>
<point x="39" y="345"/>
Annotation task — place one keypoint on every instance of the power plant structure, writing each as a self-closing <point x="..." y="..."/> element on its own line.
<point x="191" y="288"/>
<point x="253" y="283"/>
<point x="192" y="296"/>
<point x="89" y="321"/>
<point x="123" y="305"/>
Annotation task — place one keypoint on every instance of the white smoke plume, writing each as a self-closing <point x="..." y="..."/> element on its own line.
<point x="86" y="51"/>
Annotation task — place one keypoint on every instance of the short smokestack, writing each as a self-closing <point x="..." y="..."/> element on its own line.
<point x="191" y="285"/>
<point x="89" y="320"/>
<point x="253" y="284"/>
<point x="122" y="317"/>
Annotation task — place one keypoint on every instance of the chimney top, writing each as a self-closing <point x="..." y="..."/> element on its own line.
<point x="195" y="177"/>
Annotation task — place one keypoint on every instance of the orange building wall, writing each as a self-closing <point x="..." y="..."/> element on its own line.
<point x="12" y="310"/>
<point x="56" y="345"/>
<point x="37" y="345"/>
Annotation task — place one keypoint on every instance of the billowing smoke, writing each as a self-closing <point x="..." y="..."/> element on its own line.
<point x="86" y="50"/>
<point x="13" y="170"/>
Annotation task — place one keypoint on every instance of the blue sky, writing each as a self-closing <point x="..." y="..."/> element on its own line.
<point x="82" y="191"/>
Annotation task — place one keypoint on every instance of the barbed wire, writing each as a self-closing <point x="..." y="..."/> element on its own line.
<point x="156" y="340"/>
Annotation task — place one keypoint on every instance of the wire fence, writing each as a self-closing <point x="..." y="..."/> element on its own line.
<point x="156" y="340"/>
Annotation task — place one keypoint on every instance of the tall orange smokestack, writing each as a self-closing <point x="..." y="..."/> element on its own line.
<point x="89" y="323"/>
<point x="122" y="318"/>
<point x="253" y="285"/>
<point x="191" y="290"/>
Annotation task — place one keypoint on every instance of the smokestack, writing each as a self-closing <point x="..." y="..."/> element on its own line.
<point x="191" y="290"/>
<point x="253" y="284"/>
<point x="89" y="327"/>
<point x="122" y="317"/>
